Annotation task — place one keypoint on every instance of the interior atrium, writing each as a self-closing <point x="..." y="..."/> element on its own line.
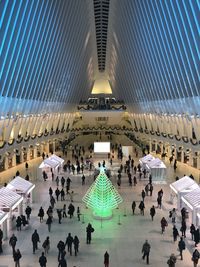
<point x="75" y="72"/>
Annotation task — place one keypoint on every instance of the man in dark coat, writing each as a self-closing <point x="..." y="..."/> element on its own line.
<point x="61" y="249"/>
<point x="28" y="212"/>
<point x="146" y="251"/>
<point x="89" y="231"/>
<point x="35" y="240"/>
<point x="1" y="240"/>
<point x="69" y="242"/>
<point x="152" y="212"/>
<point x="12" y="242"/>
<point x="181" y="246"/>
<point x="106" y="259"/>
<point x="42" y="260"/>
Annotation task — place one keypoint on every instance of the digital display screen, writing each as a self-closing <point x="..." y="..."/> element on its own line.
<point x="101" y="147"/>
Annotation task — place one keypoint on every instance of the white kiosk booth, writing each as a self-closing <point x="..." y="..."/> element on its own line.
<point x="180" y="188"/>
<point x="23" y="188"/>
<point x="3" y="223"/>
<point x="145" y="160"/>
<point x="157" y="169"/>
<point x="10" y="202"/>
<point x="58" y="159"/>
<point x="49" y="164"/>
<point x="192" y="203"/>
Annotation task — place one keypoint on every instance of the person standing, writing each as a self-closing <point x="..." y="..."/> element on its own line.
<point x="163" y="223"/>
<point x="173" y="214"/>
<point x="1" y="240"/>
<point x="146" y="251"/>
<point x="78" y="213"/>
<point x="76" y="245"/>
<point x="133" y="207"/>
<point x="42" y="260"/>
<point x="59" y="212"/>
<point x="64" y="211"/>
<point x="142" y="207"/>
<point x="12" y="242"/>
<point x="106" y="259"/>
<point x="195" y="257"/>
<point x="196" y="237"/>
<point x="89" y="231"/>
<point x="49" y="222"/>
<point x="41" y="214"/>
<point x="175" y="233"/>
<point x="69" y="242"/>
<point x="183" y="228"/>
<point x="192" y="231"/>
<point x="181" y="246"/>
<point x="172" y="260"/>
<point x="46" y="245"/>
<point x="17" y="256"/>
<point x="28" y="212"/>
<point x="61" y="249"/>
<point x="35" y="239"/>
<point x="152" y="212"/>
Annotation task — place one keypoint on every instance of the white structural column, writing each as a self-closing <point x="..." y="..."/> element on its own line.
<point x="14" y="159"/>
<point x="28" y="154"/>
<point x="54" y="146"/>
<point x="198" y="160"/>
<point x="6" y="162"/>
<point x="161" y="148"/>
<point x="47" y="147"/>
<point x="150" y="146"/>
<point x="182" y="155"/>
<point x="35" y="152"/>
<point x="169" y="151"/>
<point x="190" y="158"/>
<point x="21" y="156"/>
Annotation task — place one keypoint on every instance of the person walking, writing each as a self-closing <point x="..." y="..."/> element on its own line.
<point x="192" y="231"/>
<point x="181" y="246"/>
<point x="64" y="211"/>
<point x="76" y="245"/>
<point x="196" y="237"/>
<point x="89" y="231"/>
<point x="183" y="228"/>
<point x="1" y="240"/>
<point x="146" y="251"/>
<point x="133" y="207"/>
<point x="59" y="212"/>
<point x="17" y="256"/>
<point x="19" y="223"/>
<point x="152" y="212"/>
<point x="172" y="260"/>
<point x="78" y="214"/>
<point x="35" y="239"/>
<point x="13" y="242"/>
<point x="151" y="189"/>
<point x="143" y="195"/>
<point x="175" y="233"/>
<point x="28" y="212"/>
<point x="62" y="262"/>
<point x="195" y="257"/>
<point x="141" y="207"/>
<point x="164" y="224"/>
<point x="41" y="214"/>
<point x="69" y="242"/>
<point x="49" y="222"/>
<point x="173" y="215"/>
<point x="61" y="249"/>
<point x="42" y="260"/>
<point x="46" y="245"/>
<point x="106" y="259"/>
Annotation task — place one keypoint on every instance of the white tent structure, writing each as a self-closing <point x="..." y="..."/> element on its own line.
<point x="49" y="164"/>
<point x="157" y="169"/>
<point x="180" y="188"/>
<point x="56" y="158"/>
<point x="145" y="160"/>
<point x="10" y="202"/>
<point x="3" y="223"/>
<point x="192" y="202"/>
<point x="22" y="187"/>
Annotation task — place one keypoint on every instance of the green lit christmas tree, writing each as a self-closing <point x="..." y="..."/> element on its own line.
<point x="102" y="196"/>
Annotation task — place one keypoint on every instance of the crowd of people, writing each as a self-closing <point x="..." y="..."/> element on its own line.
<point x="63" y="193"/>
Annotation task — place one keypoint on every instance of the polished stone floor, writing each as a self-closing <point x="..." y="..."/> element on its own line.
<point x="122" y="236"/>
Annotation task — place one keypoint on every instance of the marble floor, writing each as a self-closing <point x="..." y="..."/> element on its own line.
<point x="122" y="236"/>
